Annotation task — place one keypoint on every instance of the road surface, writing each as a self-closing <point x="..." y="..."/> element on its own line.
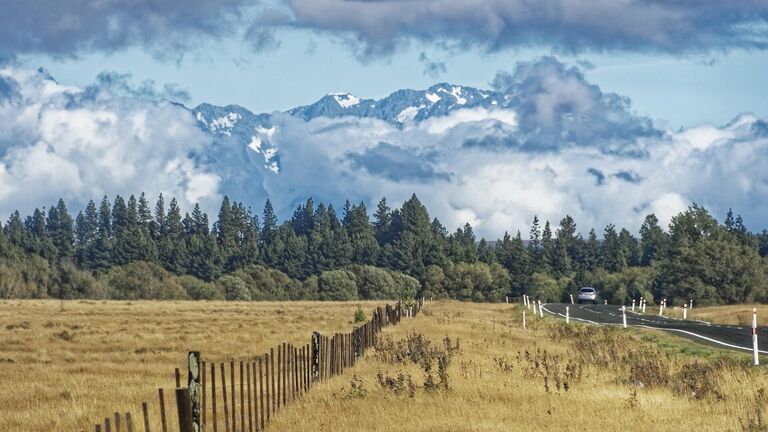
<point x="723" y="336"/>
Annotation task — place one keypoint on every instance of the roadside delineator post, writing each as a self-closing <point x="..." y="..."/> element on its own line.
<point x="685" y="311"/>
<point x="571" y="298"/>
<point x="633" y="305"/>
<point x="755" y="358"/>
<point x="541" y="311"/>
<point x="605" y="302"/>
<point x="506" y="299"/>
<point x="624" y="316"/>
<point x="534" y="308"/>
<point x="523" y="319"/>
<point x="567" y="316"/>
<point x="644" y="302"/>
<point x="691" y="304"/>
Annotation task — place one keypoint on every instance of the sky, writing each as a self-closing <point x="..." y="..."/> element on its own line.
<point x="682" y="90"/>
<point x="624" y="107"/>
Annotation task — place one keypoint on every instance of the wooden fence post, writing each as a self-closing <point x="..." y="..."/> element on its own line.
<point x="242" y="400"/>
<point x="272" y="378"/>
<point x="315" y="355"/>
<point x="213" y="397"/>
<point x="202" y="389"/>
<point x="234" y="403"/>
<point x="194" y="388"/>
<point x="162" y="411"/>
<point x="261" y="395"/>
<point x="224" y="395"/>
<point x="250" y="406"/>
<point x="184" y="409"/>
<point x="145" y="412"/>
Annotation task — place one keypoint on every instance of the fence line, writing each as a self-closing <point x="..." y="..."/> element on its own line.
<point x="265" y="386"/>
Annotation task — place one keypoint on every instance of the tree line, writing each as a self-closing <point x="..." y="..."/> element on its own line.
<point x="127" y="249"/>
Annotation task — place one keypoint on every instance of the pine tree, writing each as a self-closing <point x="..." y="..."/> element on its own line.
<point x="145" y="214"/>
<point x="158" y="226"/>
<point x="535" y="251"/>
<point x="269" y="227"/>
<point x="226" y="230"/>
<point x="14" y="229"/>
<point x="172" y="248"/>
<point x="653" y="241"/>
<point x="365" y="248"/>
<point x="60" y="231"/>
<point x="613" y="255"/>
<point x="382" y="221"/>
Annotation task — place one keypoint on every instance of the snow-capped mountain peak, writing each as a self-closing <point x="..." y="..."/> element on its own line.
<point x="345" y="100"/>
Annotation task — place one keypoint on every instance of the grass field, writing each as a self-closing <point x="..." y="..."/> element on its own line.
<point x="68" y="364"/>
<point x="733" y="315"/>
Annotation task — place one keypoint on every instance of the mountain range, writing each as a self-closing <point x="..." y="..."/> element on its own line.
<point x="254" y="132"/>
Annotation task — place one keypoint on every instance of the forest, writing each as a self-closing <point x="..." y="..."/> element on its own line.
<point x="125" y="249"/>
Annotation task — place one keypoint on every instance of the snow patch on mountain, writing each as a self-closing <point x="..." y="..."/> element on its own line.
<point x="408" y="114"/>
<point x="345" y="100"/>
<point x="432" y="97"/>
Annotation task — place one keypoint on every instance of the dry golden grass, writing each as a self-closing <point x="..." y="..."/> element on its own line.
<point x="122" y="352"/>
<point x="733" y="315"/>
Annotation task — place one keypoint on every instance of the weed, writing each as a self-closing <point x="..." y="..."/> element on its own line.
<point x="65" y="336"/>
<point x="24" y="325"/>
<point x="400" y="385"/>
<point x="360" y="315"/>
<point x="356" y="390"/>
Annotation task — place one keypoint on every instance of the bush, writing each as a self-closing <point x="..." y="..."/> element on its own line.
<point x="265" y="283"/>
<point x="360" y="315"/>
<point x="200" y="290"/>
<point x="234" y="288"/>
<point x="142" y="280"/>
<point x="71" y="283"/>
<point x="337" y="285"/>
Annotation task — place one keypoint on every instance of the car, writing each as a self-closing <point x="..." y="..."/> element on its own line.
<point x="587" y="294"/>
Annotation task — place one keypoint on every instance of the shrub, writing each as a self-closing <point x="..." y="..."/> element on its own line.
<point x="200" y="290"/>
<point x="338" y="285"/>
<point x="234" y="288"/>
<point x="360" y="315"/>
<point x="142" y="280"/>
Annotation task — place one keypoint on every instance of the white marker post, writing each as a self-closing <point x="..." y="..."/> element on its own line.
<point x="633" y="305"/>
<point x="644" y="302"/>
<point x="571" y="298"/>
<point x="523" y="319"/>
<point x="534" y="308"/>
<point x="685" y="311"/>
<point x="506" y="299"/>
<point x="605" y="302"/>
<point x="541" y="311"/>
<point x="624" y="316"/>
<point x="661" y="308"/>
<point x="691" y="304"/>
<point x="567" y="316"/>
<point x="755" y="358"/>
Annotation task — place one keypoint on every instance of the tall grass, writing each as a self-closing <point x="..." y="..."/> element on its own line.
<point x="456" y="367"/>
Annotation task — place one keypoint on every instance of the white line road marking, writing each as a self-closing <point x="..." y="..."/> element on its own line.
<point x="543" y="307"/>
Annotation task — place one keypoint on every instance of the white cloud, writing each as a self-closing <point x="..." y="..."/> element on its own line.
<point x="81" y="144"/>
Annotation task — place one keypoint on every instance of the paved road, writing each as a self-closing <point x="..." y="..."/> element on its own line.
<point x="724" y="336"/>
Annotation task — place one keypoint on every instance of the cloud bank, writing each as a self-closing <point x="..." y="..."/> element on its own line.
<point x="83" y="143"/>
<point x="559" y="145"/>
<point x="374" y="28"/>
<point x="571" y="26"/>
<point x="72" y="27"/>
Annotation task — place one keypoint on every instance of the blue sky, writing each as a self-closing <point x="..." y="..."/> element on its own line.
<point x="616" y="108"/>
<point x="678" y="90"/>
